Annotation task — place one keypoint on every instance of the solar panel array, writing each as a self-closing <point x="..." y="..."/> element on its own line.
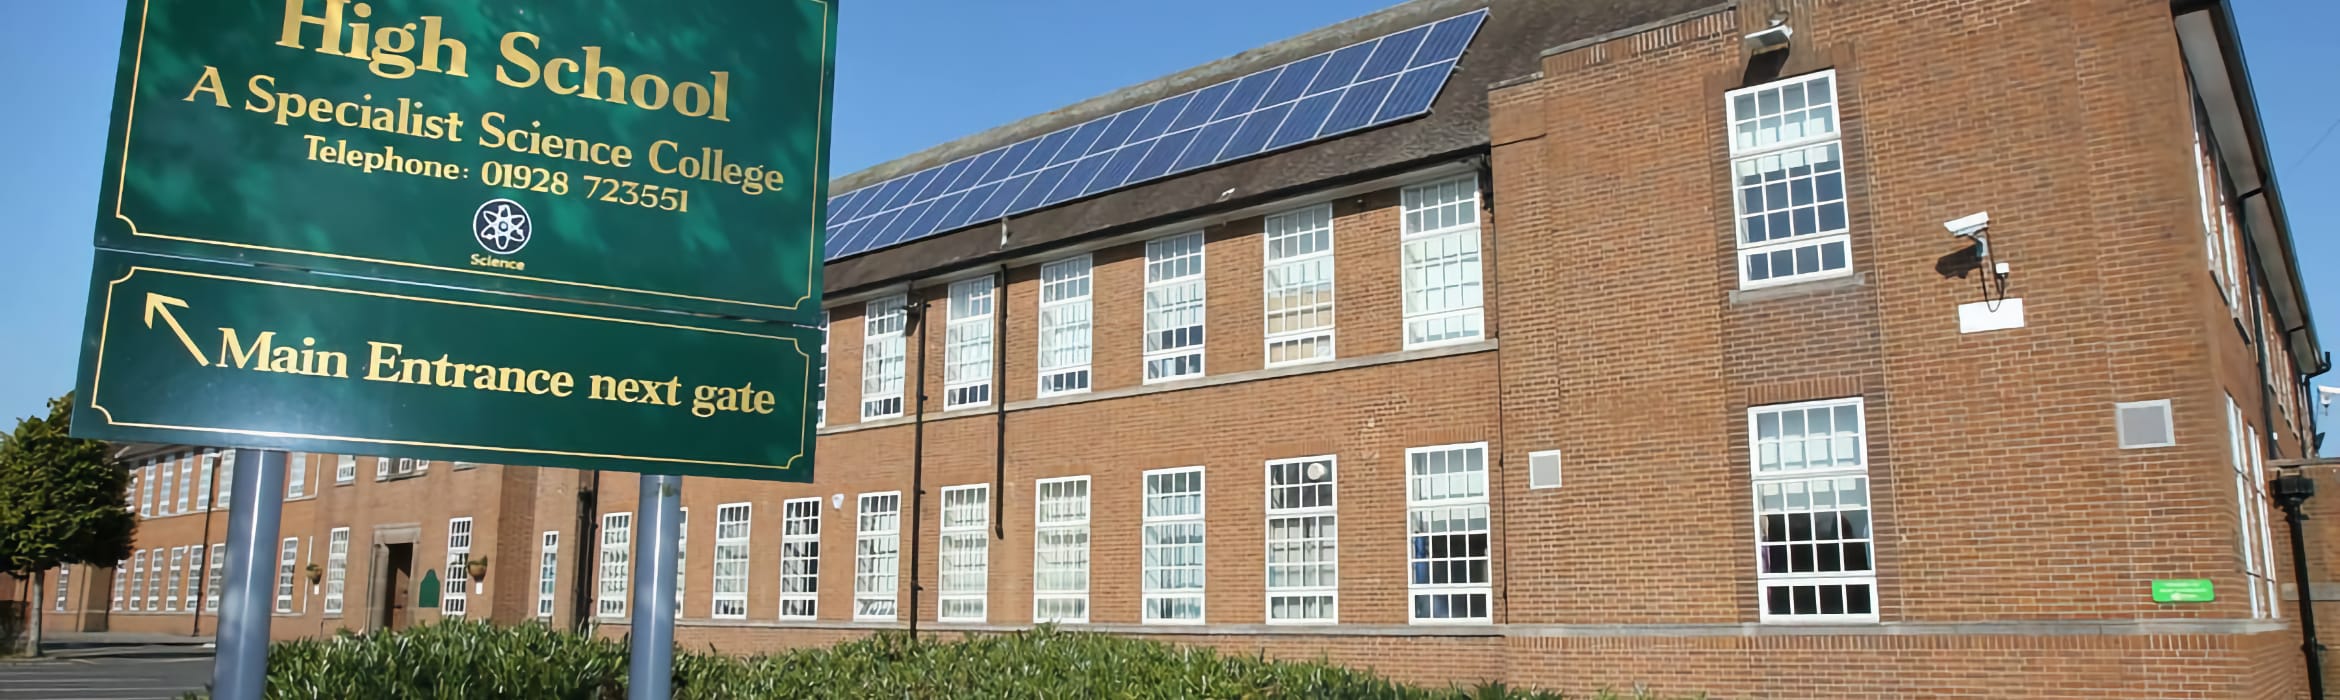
<point x="1360" y="86"/>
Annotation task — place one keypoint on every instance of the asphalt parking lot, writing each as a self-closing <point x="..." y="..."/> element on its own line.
<point x="120" y="675"/>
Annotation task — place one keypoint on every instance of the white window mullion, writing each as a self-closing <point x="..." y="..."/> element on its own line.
<point x="548" y="573"/>
<point x="965" y="555"/>
<point x="286" y="557"/>
<point x="617" y="539"/>
<point x="345" y="469"/>
<point x="455" y="600"/>
<point x="682" y="556"/>
<point x="732" y="527"/>
<point x="1815" y="539"/>
<point x="1441" y="271"/>
<point x="1060" y="559"/>
<point x="967" y="344"/>
<point x="882" y="358"/>
<point x="1788" y="188"/>
<point x="800" y="559"/>
<point x="877" y="555"/>
<point x="1171" y="546"/>
<point x="203" y="483"/>
<point x="1174" y="307"/>
<point x="1447" y="535"/>
<point x="1303" y="539"/>
<point x="336" y="568"/>
<point x="137" y="581"/>
<point x="174" y="586"/>
<point x="217" y="577"/>
<point x="296" y="476"/>
<point x="1299" y="286"/>
<point x="821" y="395"/>
<point x="1065" y="326"/>
<point x="121" y="577"/>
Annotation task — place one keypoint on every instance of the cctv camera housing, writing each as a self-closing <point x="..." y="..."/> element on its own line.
<point x="1967" y="226"/>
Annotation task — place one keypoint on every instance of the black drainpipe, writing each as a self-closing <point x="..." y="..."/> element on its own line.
<point x="203" y="594"/>
<point x="588" y="512"/>
<point x="999" y="309"/>
<point x="916" y="309"/>
<point x="2290" y="491"/>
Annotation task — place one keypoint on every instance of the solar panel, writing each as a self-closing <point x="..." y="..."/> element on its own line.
<point x="1360" y="86"/>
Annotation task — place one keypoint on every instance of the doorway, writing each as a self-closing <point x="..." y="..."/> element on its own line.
<point x="395" y="585"/>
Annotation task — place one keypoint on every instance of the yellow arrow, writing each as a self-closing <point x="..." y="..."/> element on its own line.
<point x="159" y="304"/>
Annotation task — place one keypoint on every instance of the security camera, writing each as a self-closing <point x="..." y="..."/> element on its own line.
<point x="1969" y="226"/>
<point x="2327" y="393"/>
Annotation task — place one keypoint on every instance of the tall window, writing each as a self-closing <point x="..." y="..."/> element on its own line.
<point x="194" y="585"/>
<point x="1303" y="559"/>
<point x="217" y="563"/>
<point x="1439" y="247"/>
<point x="682" y="556"/>
<point x="121" y="578"/>
<point x="617" y="535"/>
<point x="137" y="581"/>
<point x="1064" y="326"/>
<point x="64" y="573"/>
<point x="821" y="394"/>
<point x="345" y="469"/>
<point x="296" y="476"/>
<point x="1446" y="533"/>
<point x="187" y="485"/>
<point x="1174" y="307"/>
<point x="1787" y="175"/>
<point x="174" y="586"/>
<point x="226" y="462"/>
<point x="1812" y="511"/>
<point x="877" y="555"/>
<point x="1060" y="561"/>
<point x="1171" y="553"/>
<point x="731" y="561"/>
<point x="966" y="552"/>
<point x="203" y="483"/>
<point x="284" y="574"/>
<point x="800" y="558"/>
<point x="967" y="344"/>
<point x="154" y="579"/>
<point x="2250" y="493"/>
<point x="548" y="573"/>
<point x="336" y="568"/>
<point x="146" y="490"/>
<point x="455" y="579"/>
<point x="162" y="498"/>
<point x="882" y="364"/>
<point x="1299" y="279"/>
<point x="2218" y="225"/>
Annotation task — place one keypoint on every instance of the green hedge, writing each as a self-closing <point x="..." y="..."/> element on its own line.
<point x="474" y="661"/>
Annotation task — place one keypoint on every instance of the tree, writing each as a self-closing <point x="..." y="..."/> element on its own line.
<point x="61" y="503"/>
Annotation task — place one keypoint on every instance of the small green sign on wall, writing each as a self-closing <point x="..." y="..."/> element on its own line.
<point x="2183" y="590"/>
<point x="429" y="598"/>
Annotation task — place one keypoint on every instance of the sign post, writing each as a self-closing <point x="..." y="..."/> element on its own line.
<point x="569" y="233"/>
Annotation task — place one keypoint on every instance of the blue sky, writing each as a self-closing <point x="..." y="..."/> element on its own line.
<point x="912" y="74"/>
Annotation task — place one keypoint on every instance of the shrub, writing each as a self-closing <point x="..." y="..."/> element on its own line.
<point x="474" y="660"/>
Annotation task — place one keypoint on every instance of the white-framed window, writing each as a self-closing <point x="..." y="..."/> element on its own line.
<point x="967" y="344"/>
<point x="215" y="578"/>
<point x="226" y="462"/>
<point x="1787" y="181"/>
<point x="455" y="600"/>
<point x="1171" y="546"/>
<point x="1060" y="556"/>
<point x="1815" y="558"/>
<point x="175" y="585"/>
<point x="162" y="496"/>
<point x="877" y="550"/>
<point x="732" y="526"/>
<point x="146" y="490"/>
<point x="336" y="568"/>
<point x="194" y="587"/>
<point x="617" y="539"/>
<point x="1299" y="286"/>
<point x="137" y="581"/>
<point x="682" y="556"/>
<point x="800" y="558"/>
<point x="296" y="476"/>
<point x="1447" y="534"/>
<point x="548" y="573"/>
<point x="154" y="579"/>
<point x="345" y="469"/>
<point x="121" y="578"/>
<point x="882" y="360"/>
<point x="966" y="553"/>
<point x="2218" y="219"/>
<point x="1065" y="323"/>
<point x="64" y="574"/>
<point x="821" y="394"/>
<point x="187" y="485"/>
<point x="1438" y="247"/>
<point x="2256" y="536"/>
<point x="400" y="467"/>
<point x="1303" y="541"/>
<point x="1174" y="307"/>
<point x="286" y="557"/>
<point x="203" y="483"/>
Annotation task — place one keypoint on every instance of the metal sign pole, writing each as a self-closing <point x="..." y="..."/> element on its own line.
<point x="255" y="507"/>
<point x="651" y="674"/>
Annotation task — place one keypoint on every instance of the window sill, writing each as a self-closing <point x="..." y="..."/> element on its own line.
<point x="1799" y="288"/>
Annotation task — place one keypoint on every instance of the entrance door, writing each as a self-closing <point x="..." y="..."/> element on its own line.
<point x="396" y="584"/>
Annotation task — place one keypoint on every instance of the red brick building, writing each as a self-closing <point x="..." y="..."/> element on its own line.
<point x="1644" y="358"/>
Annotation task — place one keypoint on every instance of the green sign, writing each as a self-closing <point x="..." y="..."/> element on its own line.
<point x="2183" y="590"/>
<point x="201" y="353"/>
<point x="428" y="597"/>
<point x="656" y="154"/>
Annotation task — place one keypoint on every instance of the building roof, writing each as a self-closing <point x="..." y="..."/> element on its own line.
<point x="1508" y="46"/>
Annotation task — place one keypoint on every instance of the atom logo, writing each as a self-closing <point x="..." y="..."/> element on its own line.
<point x="501" y="226"/>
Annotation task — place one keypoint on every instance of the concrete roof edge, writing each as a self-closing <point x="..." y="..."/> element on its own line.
<point x="1238" y="65"/>
<point x="1637" y="29"/>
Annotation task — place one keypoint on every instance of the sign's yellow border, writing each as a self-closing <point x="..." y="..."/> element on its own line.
<point x="812" y="220"/>
<point x="105" y="326"/>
